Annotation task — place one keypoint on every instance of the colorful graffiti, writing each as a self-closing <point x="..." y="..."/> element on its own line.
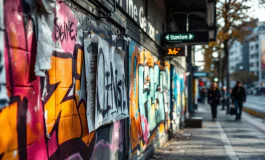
<point x="111" y="103"/>
<point x="177" y="96"/>
<point x="46" y="117"/>
<point x="3" y="93"/>
<point x="108" y="80"/>
<point x="149" y="97"/>
<point x="75" y="109"/>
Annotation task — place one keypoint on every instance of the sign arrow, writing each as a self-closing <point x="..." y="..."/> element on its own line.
<point x="167" y="37"/>
<point x="190" y="36"/>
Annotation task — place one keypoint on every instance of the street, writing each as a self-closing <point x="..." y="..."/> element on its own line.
<point x="256" y="103"/>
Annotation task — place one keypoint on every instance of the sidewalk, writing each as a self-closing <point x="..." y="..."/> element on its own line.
<point x="220" y="140"/>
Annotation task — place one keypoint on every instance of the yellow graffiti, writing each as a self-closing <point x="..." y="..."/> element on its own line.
<point x="73" y="121"/>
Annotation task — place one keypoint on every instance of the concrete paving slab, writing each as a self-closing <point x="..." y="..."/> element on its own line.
<point x="224" y="139"/>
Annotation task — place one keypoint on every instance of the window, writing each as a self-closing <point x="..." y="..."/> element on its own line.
<point x="257" y="46"/>
<point x="252" y="47"/>
<point x="251" y="64"/>
<point x="257" y="64"/>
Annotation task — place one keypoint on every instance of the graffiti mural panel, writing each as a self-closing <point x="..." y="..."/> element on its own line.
<point x="176" y="94"/>
<point x="149" y="97"/>
<point x="3" y="92"/>
<point x="91" y="73"/>
<point x="111" y="99"/>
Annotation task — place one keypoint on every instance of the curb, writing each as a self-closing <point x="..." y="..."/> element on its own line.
<point x="254" y="112"/>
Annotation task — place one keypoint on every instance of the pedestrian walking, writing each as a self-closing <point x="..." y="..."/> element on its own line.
<point x="224" y="98"/>
<point x="214" y="99"/>
<point x="203" y="95"/>
<point x="238" y="97"/>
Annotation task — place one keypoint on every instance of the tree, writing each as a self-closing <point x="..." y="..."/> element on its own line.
<point x="234" y="24"/>
<point x="244" y="77"/>
<point x="262" y="2"/>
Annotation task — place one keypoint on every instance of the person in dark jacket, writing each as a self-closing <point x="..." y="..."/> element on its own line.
<point x="224" y="97"/>
<point x="238" y="96"/>
<point x="203" y="95"/>
<point x="214" y="99"/>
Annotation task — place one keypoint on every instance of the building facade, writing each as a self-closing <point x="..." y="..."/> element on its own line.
<point x="236" y="57"/>
<point x="256" y="52"/>
<point x="247" y="56"/>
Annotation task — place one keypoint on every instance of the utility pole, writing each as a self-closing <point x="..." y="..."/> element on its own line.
<point x="219" y="67"/>
<point x="190" y="71"/>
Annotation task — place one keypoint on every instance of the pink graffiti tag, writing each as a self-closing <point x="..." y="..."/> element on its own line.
<point x="65" y="28"/>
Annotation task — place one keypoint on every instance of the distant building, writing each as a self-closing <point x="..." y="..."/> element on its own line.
<point x="250" y="54"/>
<point x="236" y="57"/>
<point x="257" y="53"/>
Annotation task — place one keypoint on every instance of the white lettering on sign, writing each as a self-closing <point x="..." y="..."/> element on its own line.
<point x="151" y="30"/>
<point x="178" y="37"/>
<point x="135" y="13"/>
<point x="142" y="19"/>
<point x="138" y="16"/>
<point x="130" y="8"/>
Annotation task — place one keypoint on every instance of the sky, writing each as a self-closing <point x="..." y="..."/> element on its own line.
<point x="256" y="12"/>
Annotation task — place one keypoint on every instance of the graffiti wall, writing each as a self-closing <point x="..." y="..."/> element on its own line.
<point x="175" y="94"/>
<point x="107" y="80"/>
<point x="178" y="89"/>
<point x="63" y="92"/>
<point x="46" y="117"/>
<point x="3" y="93"/>
<point x="149" y="98"/>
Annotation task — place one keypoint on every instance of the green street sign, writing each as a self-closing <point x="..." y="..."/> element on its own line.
<point x="180" y="37"/>
<point x="195" y="37"/>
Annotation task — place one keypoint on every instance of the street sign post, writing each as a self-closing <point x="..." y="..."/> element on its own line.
<point x="196" y="37"/>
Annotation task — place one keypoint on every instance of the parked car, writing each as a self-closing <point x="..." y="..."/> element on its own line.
<point x="249" y="91"/>
<point x="255" y="91"/>
<point x="252" y="91"/>
<point x="262" y="91"/>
